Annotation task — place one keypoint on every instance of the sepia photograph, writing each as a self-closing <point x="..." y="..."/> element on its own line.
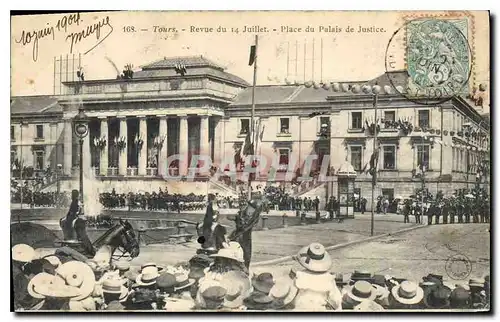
<point x="236" y="161"/>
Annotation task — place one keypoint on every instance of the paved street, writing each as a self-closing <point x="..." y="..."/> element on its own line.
<point x="281" y="242"/>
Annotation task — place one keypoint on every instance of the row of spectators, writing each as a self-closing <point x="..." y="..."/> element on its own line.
<point x="222" y="282"/>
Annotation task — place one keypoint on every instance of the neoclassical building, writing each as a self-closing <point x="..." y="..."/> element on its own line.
<point x="136" y="124"/>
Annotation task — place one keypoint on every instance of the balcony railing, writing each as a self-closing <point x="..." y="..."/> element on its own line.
<point x="152" y="172"/>
<point x="132" y="171"/>
<point x="112" y="171"/>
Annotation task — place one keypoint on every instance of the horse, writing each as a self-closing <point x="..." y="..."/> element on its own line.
<point x="120" y="237"/>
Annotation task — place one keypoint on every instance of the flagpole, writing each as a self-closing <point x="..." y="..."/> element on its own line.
<point x="252" y="125"/>
<point x="374" y="179"/>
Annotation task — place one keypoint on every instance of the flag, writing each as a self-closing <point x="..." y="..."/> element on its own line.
<point x="247" y="148"/>
<point x="253" y="54"/>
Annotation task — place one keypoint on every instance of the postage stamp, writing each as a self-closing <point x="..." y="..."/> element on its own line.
<point x="250" y="161"/>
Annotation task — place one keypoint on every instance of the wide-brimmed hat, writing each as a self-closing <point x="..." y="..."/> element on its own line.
<point x="359" y="292"/>
<point x="476" y="282"/>
<point x="283" y="293"/>
<point x="43" y="278"/>
<point x="369" y="306"/>
<point x="57" y="291"/>
<point x="148" y="276"/>
<point x="23" y="253"/>
<point x="407" y="292"/>
<point x="182" y="282"/>
<point x="460" y="298"/>
<point x="114" y="286"/>
<point x="80" y="275"/>
<point x="151" y="264"/>
<point x="263" y="282"/>
<point x="438" y="297"/>
<point x="433" y="278"/>
<point x="233" y="251"/>
<point x="314" y="258"/>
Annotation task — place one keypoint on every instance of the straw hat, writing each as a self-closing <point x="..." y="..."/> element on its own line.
<point x="283" y="293"/>
<point x="57" y="291"/>
<point x="182" y="282"/>
<point x="80" y="275"/>
<point x="23" y="253"/>
<point x="407" y="293"/>
<point x="43" y="278"/>
<point x="151" y="264"/>
<point x="314" y="258"/>
<point x="233" y="251"/>
<point x="147" y="276"/>
<point x="112" y="286"/>
<point x="122" y="266"/>
<point x="359" y="292"/>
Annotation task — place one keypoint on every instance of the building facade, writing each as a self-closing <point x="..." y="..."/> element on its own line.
<point x="136" y="123"/>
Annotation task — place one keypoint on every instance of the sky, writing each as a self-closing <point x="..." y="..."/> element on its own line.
<point x="338" y="55"/>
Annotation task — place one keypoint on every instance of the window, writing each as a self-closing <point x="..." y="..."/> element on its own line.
<point x="324" y="126"/>
<point x="423" y="118"/>
<point x="423" y="154"/>
<point x="356" y="122"/>
<point x="39" y="156"/>
<point x="12" y="133"/>
<point x="284" y="125"/>
<point x="390" y="116"/>
<point x="283" y="157"/>
<point x="244" y="126"/>
<point x="13" y="154"/>
<point x="389" y="157"/>
<point x="39" y="131"/>
<point x="356" y="155"/>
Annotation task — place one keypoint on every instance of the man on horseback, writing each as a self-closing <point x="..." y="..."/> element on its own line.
<point x="73" y="225"/>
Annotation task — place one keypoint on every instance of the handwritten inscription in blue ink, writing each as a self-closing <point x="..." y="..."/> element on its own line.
<point x="438" y="59"/>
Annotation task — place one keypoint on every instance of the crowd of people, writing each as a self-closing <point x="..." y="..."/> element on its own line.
<point x="26" y="195"/>
<point x="279" y="199"/>
<point x="463" y="206"/>
<point x="161" y="200"/>
<point x="222" y="282"/>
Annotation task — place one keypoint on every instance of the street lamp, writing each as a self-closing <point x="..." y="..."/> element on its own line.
<point x="81" y="129"/>
<point x="375" y="90"/>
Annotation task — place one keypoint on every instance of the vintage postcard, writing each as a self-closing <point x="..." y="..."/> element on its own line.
<point x="250" y="161"/>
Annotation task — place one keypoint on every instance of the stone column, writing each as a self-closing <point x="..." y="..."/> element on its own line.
<point x="143" y="152"/>
<point x="122" y="159"/>
<point x="87" y="169"/>
<point x="204" y="136"/>
<point x="183" y="145"/>
<point x="60" y="144"/>
<point x="217" y="140"/>
<point x="162" y="153"/>
<point x="68" y="147"/>
<point x="104" y="152"/>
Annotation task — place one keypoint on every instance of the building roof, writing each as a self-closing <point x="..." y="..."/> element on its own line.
<point x="34" y="104"/>
<point x="301" y="94"/>
<point x="195" y="65"/>
<point x="187" y="61"/>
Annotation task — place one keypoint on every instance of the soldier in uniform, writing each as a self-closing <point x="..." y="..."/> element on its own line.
<point x="406" y="211"/>
<point x="446" y="210"/>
